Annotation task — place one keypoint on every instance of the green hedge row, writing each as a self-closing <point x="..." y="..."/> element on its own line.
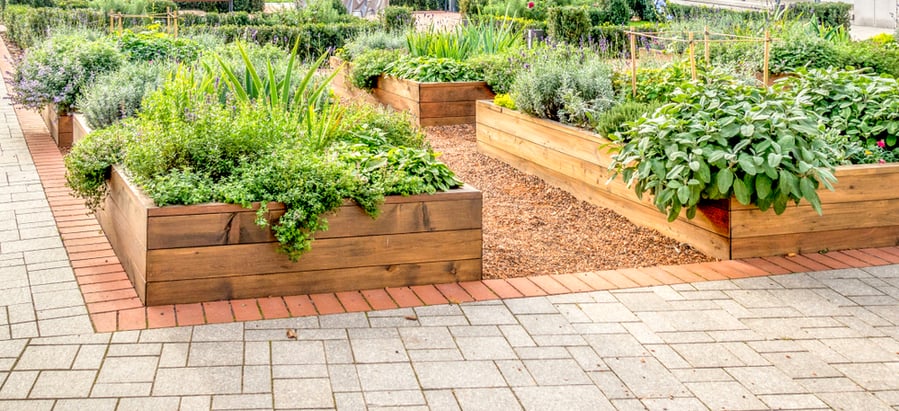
<point x="25" y="26"/>
<point x="222" y="6"/>
<point x="421" y="5"/>
<point x="314" y="39"/>
<point x="831" y="14"/>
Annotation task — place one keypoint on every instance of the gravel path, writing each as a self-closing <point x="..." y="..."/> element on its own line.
<point x="531" y="228"/>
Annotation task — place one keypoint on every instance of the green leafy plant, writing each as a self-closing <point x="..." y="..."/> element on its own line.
<point x="499" y="70"/>
<point x="464" y="42"/>
<point x="153" y="45"/>
<point x="718" y="140"/>
<point x="116" y="95"/>
<point x="371" y="64"/>
<point x="396" y="18"/>
<point x="569" y="24"/>
<point x="504" y="100"/>
<point x="564" y="85"/>
<point x="375" y="40"/>
<point x="616" y="120"/>
<point x="431" y="69"/>
<point x="792" y="54"/>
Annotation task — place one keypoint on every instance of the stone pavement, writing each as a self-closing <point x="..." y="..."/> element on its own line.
<point x="817" y="340"/>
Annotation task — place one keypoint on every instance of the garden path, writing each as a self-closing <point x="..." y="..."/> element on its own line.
<point x="803" y="332"/>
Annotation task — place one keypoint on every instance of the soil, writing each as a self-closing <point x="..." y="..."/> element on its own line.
<point x="531" y="228"/>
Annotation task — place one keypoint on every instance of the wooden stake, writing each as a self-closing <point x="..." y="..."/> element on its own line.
<point x="633" y="40"/>
<point x="111" y="24"/>
<point x="767" y="57"/>
<point x="692" y="58"/>
<point x="707" y="46"/>
<point x="176" y="23"/>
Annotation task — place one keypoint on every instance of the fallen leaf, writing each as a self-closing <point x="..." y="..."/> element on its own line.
<point x="411" y="318"/>
<point x="291" y="334"/>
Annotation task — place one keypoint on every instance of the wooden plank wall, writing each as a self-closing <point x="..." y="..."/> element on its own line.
<point x="60" y="127"/>
<point x="80" y="128"/>
<point x="572" y="159"/>
<point x="860" y="213"/>
<point x="216" y="251"/>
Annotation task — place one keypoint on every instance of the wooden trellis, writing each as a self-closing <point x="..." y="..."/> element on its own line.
<point x="691" y="40"/>
<point x="116" y="20"/>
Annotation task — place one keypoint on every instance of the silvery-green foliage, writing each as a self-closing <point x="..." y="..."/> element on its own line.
<point x="118" y="94"/>
<point x="565" y="86"/>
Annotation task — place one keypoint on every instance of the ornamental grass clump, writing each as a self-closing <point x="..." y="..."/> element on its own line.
<point x="208" y="135"/>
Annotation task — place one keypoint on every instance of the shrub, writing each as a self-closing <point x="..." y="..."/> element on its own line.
<point x="421" y="4"/>
<point x="499" y="70"/>
<point x="722" y="139"/>
<point x="369" y="65"/>
<point x="831" y="14"/>
<point x="118" y="94"/>
<point x="569" y="24"/>
<point x="222" y="6"/>
<point x="613" y="40"/>
<point x="431" y="69"/>
<point x="615" y="121"/>
<point x="58" y="69"/>
<point x="396" y="18"/>
<point x="564" y="85"/>
<point x="471" y="7"/>
<point x="375" y="40"/>
<point x="617" y="12"/>
<point x="504" y="100"/>
<point x="132" y="6"/>
<point x="879" y="58"/>
<point x="29" y="3"/>
<point x="792" y="54"/>
<point x="314" y="39"/>
<point x="27" y="26"/>
<point x="153" y="45"/>
<point x="859" y="106"/>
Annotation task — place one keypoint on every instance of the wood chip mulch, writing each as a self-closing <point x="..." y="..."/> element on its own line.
<point x="532" y="228"/>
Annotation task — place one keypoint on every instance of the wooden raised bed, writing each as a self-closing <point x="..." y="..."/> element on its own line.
<point x="186" y="254"/>
<point x="80" y="128"/>
<point x="60" y="126"/>
<point x="859" y="213"/>
<point x="431" y="104"/>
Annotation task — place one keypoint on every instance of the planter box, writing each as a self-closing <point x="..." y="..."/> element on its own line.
<point x="60" y="126"/>
<point x="431" y="104"/>
<point x="80" y="128"/>
<point x="859" y="214"/>
<point x="186" y="254"/>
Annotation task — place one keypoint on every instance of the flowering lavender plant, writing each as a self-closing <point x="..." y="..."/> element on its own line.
<point x="55" y="71"/>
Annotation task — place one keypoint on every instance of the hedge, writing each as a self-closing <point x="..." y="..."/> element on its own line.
<point x="828" y="14"/>
<point x="614" y="39"/>
<point x="315" y="39"/>
<point x="422" y="5"/>
<point x="25" y="26"/>
<point x="222" y="7"/>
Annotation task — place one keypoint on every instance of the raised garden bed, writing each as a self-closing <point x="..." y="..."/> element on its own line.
<point x="431" y="104"/>
<point x="80" y="128"/>
<point x="60" y="126"/>
<point x="187" y="254"/>
<point x="857" y="214"/>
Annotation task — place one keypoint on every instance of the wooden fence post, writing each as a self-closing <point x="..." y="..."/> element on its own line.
<point x="633" y="40"/>
<point x="692" y="58"/>
<point x="767" y="57"/>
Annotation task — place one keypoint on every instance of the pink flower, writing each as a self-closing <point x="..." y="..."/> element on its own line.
<point x="881" y="161"/>
<point x="530" y="4"/>
<point x="881" y="143"/>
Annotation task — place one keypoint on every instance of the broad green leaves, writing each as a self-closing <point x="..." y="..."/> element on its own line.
<point x="724" y="139"/>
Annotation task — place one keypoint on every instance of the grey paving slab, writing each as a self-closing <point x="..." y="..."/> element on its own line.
<point x="486" y="399"/>
<point x="459" y="374"/>
<point x="567" y="398"/>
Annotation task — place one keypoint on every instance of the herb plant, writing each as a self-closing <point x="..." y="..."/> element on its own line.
<point x="431" y="69"/>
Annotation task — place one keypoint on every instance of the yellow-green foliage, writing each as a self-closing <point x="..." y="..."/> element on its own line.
<point x="504" y="100"/>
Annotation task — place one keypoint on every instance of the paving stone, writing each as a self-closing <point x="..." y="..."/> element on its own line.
<point x="573" y="313"/>
<point x="475" y="331"/>
<point x="468" y="374"/>
<point x="215" y="353"/>
<point x="587" y="359"/>
<point x="242" y="402"/>
<point x="488" y="314"/>
<point x="379" y="350"/>
<point x="565" y="340"/>
<point x="198" y="381"/>
<point x="338" y="352"/>
<point x="608" y="312"/>
<point x="196" y="402"/>
<point x="23" y="330"/>
<point x="673" y="404"/>
<point x="628" y="405"/>
<point x="367" y="333"/>
<point x="541" y="353"/>
<point x="65" y="326"/>
<point x="537" y="324"/>
<point x="861" y="350"/>
<point x="793" y="401"/>
<point x="568" y="398"/>
<point x="443" y="354"/>
<point x="765" y="380"/>
<point x="802" y="365"/>
<point x="487" y="399"/>
<point x="174" y="355"/>
<point x="646" y="377"/>
<point x="346" y="320"/>
<point x="829" y="384"/>
<point x="134" y="350"/>
<point x="415" y="338"/>
<point x="485" y="348"/>
<point x="707" y="355"/>
<point x="18" y="384"/>
<point x="29" y="405"/>
<point x="667" y="356"/>
<point x="343" y="378"/>
<point x="444" y="310"/>
<point x="441" y="400"/>
<point x="79" y="404"/>
<point x="127" y="389"/>
<point x="515" y="373"/>
<point x="12" y="348"/>
<point x="533" y="305"/>
<point x="300" y="371"/>
<point x="298" y="352"/>
<point x="385" y="377"/>
<point x="150" y="403"/>
<point x="166" y="335"/>
<point x="63" y="384"/>
<point x="349" y="401"/>
<point x="556" y="372"/>
<point x="396" y="398"/>
<point x="874" y="376"/>
<point x="47" y="357"/>
<point x="257" y="379"/>
<point x="854" y="401"/>
<point x="128" y="369"/>
<point x="257" y="353"/>
<point x="616" y="345"/>
<point x="218" y="332"/>
<point x="726" y="395"/>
